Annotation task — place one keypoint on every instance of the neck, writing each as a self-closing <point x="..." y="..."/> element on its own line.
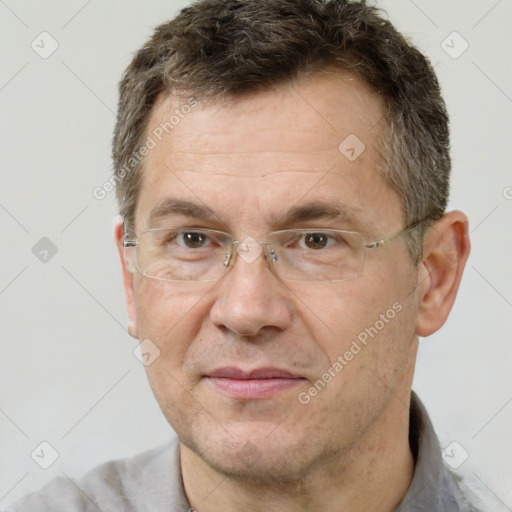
<point x="372" y="475"/>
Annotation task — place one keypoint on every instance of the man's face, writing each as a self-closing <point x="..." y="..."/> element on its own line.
<point x="250" y="161"/>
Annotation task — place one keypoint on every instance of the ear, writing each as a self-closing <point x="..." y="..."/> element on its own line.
<point x="127" y="281"/>
<point x="446" y="250"/>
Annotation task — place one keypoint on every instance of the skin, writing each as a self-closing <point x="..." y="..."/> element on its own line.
<point x="250" y="160"/>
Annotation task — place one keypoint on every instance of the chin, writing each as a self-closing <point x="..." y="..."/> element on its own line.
<point x="256" y="451"/>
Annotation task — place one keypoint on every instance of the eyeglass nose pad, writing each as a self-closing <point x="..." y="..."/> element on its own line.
<point x="228" y="256"/>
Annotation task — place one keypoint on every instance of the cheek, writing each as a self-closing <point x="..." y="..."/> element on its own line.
<point x="367" y="323"/>
<point x="387" y="333"/>
<point x="334" y="312"/>
<point x="170" y="315"/>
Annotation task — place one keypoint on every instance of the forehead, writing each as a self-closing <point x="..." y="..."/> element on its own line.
<point x="315" y="140"/>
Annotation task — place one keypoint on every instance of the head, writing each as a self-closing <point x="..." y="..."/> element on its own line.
<point x="242" y="113"/>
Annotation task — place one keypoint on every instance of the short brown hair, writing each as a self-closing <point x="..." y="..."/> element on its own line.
<point x="228" y="48"/>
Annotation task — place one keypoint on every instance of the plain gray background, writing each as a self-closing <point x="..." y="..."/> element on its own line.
<point x="68" y="375"/>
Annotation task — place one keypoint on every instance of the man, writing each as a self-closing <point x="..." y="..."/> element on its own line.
<point x="282" y="170"/>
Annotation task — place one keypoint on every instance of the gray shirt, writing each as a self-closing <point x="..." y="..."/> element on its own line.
<point x="151" y="481"/>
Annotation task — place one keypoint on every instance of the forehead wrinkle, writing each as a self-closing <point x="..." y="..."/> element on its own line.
<point x="255" y="174"/>
<point x="229" y="131"/>
<point x="257" y="151"/>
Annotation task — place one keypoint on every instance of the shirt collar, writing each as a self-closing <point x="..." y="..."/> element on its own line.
<point x="433" y="486"/>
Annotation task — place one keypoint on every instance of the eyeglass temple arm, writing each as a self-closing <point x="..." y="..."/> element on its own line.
<point x="383" y="241"/>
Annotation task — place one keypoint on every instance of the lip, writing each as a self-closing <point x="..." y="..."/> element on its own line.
<point x="258" y="383"/>
<point x="232" y="372"/>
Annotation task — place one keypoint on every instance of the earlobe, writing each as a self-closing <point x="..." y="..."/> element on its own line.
<point x="127" y="281"/>
<point x="446" y="250"/>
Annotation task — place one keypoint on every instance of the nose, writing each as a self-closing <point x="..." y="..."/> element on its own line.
<point x="250" y="296"/>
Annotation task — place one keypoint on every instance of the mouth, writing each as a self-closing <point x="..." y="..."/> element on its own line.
<point x="253" y="384"/>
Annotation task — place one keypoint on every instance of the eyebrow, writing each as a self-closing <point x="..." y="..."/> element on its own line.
<point x="317" y="210"/>
<point x="171" y="206"/>
<point x="314" y="210"/>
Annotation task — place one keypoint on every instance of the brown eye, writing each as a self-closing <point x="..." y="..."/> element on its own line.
<point x="316" y="240"/>
<point x="192" y="239"/>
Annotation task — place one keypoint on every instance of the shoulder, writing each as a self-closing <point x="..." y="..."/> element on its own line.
<point x="150" y="479"/>
<point x="435" y="486"/>
<point x="476" y="492"/>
